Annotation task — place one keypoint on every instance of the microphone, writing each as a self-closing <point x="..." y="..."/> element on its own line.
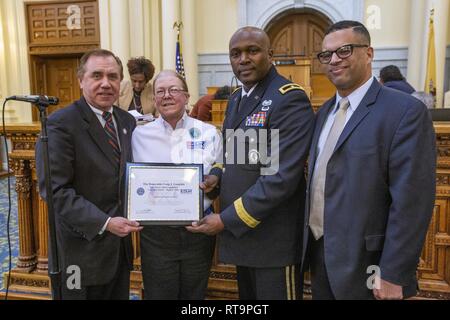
<point x="35" y="99"/>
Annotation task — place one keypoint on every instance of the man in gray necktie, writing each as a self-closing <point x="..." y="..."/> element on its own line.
<point x="371" y="179"/>
<point x="318" y="180"/>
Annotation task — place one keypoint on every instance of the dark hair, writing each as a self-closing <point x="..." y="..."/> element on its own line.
<point x="357" y="27"/>
<point x="391" y="73"/>
<point x="141" y="65"/>
<point x="97" y="53"/>
<point x="222" y="93"/>
<point x="172" y="73"/>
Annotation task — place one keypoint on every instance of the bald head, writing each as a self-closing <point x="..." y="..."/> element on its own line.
<point x="253" y="32"/>
<point x="250" y="55"/>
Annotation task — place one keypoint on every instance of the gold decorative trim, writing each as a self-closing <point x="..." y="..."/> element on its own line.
<point x="244" y="215"/>
<point x="289" y="87"/>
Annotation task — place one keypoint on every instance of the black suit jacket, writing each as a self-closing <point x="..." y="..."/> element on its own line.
<point x="87" y="189"/>
<point x="263" y="214"/>
<point x="379" y="192"/>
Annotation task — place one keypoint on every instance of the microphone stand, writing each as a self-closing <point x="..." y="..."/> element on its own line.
<point x="54" y="271"/>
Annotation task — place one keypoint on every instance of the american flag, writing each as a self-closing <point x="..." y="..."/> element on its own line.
<point x="179" y="59"/>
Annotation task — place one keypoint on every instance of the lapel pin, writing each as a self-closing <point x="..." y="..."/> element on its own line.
<point x="124" y="131"/>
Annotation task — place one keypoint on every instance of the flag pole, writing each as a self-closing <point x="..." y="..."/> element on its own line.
<point x="430" y="77"/>
<point x="179" y="64"/>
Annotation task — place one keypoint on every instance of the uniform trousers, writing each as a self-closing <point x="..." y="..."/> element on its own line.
<point x="278" y="283"/>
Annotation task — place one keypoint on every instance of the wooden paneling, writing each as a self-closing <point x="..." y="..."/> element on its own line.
<point x="296" y="70"/>
<point x="323" y="89"/>
<point x="55" y="77"/>
<point x="59" y="32"/>
<point x="63" y="22"/>
<point x="62" y="81"/>
<point x="434" y="267"/>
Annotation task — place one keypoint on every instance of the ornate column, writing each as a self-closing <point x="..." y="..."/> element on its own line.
<point x="152" y="33"/>
<point x="42" y="259"/>
<point x="14" y="76"/>
<point x="189" y="43"/>
<point x="170" y="11"/>
<point x="416" y="50"/>
<point x="441" y="25"/>
<point x="120" y="30"/>
<point x="136" y="25"/>
<point x="27" y="253"/>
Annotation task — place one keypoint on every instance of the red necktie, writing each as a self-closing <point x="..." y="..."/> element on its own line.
<point x="112" y="135"/>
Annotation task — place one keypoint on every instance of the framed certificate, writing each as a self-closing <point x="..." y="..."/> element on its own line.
<point x="164" y="193"/>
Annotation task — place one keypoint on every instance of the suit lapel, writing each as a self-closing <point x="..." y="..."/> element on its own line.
<point x="96" y="131"/>
<point x="361" y="112"/>
<point x="230" y="114"/>
<point x="123" y="137"/>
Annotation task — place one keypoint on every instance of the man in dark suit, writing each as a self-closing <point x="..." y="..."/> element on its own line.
<point x="371" y="181"/>
<point x="261" y="197"/>
<point x="89" y="144"/>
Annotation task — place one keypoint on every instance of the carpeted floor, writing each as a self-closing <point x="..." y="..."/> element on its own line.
<point x="14" y="230"/>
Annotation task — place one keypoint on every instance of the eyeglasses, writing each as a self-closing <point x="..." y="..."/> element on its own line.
<point x="173" y="91"/>
<point x="343" y="52"/>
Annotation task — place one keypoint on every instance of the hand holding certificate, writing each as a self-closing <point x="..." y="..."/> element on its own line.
<point x="164" y="194"/>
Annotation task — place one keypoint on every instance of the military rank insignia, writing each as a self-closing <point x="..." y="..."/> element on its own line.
<point x="256" y="120"/>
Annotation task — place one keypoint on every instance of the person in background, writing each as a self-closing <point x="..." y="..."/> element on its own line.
<point x="175" y="262"/>
<point x="137" y="93"/>
<point x="202" y="109"/>
<point x="391" y="77"/>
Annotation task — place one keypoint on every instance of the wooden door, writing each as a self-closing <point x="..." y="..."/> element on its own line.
<point x="56" y="77"/>
<point x="300" y="35"/>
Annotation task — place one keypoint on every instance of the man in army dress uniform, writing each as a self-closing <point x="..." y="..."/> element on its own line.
<point x="267" y="133"/>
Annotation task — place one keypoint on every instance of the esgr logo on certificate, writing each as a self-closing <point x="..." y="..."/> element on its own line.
<point x="186" y="191"/>
<point x="140" y="191"/>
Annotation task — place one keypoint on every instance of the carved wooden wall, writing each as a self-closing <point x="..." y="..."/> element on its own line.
<point x="434" y="268"/>
<point x="29" y="280"/>
<point x="59" y="32"/>
<point x="62" y="23"/>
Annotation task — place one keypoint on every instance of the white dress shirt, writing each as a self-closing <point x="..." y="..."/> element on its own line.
<point x="249" y="92"/>
<point x="192" y="142"/>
